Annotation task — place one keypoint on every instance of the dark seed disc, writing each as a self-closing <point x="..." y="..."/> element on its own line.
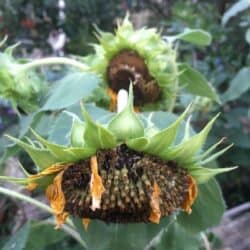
<point x="129" y="66"/>
<point x="128" y="177"/>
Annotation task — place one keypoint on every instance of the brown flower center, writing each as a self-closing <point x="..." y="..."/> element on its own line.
<point x="127" y="67"/>
<point x="129" y="178"/>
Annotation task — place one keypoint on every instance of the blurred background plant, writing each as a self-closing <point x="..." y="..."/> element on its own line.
<point x="66" y="27"/>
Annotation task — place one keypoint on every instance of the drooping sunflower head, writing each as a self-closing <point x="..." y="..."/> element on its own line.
<point x="137" y="56"/>
<point x="123" y="171"/>
<point x="19" y="87"/>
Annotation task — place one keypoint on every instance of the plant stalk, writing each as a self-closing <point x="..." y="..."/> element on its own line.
<point x="54" y="60"/>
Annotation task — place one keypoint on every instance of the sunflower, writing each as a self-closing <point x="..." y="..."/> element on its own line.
<point x="18" y="86"/>
<point x="121" y="172"/>
<point x="137" y="56"/>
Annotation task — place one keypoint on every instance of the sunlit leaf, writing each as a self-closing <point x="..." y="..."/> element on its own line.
<point x="235" y="9"/>
<point x="19" y="239"/>
<point x="70" y="90"/>
<point x="207" y="209"/>
<point x="238" y="86"/>
<point x="194" y="36"/>
<point x="195" y="83"/>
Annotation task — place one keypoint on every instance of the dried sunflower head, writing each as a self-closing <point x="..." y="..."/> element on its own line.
<point x="123" y="171"/>
<point x="138" y="56"/>
<point x="17" y="85"/>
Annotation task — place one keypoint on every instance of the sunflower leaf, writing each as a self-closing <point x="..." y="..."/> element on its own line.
<point x="195" y="36"/>
<point x="195" y="83"/>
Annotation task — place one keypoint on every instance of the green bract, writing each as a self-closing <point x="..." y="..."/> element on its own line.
<point x="87" y="137"/>
<point x="17" y="85"/>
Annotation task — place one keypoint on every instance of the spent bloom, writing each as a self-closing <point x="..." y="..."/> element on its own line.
<point x="138" y="56"/>
<point x="125" y="171"/>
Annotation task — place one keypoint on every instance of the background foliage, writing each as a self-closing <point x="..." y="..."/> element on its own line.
<point x="225" y="63"/>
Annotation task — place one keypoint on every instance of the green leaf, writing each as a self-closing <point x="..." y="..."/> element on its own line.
<point x="61" y="126"/>
<point x="19" y="239"/>
<point x="126" y="124"/>
<point x="247" y="36"/>
<point x="195" y="83"/>
<point x="194" y="36"/>
<point x="41" y="157"/>
<point x="238" y="86"/>
<point x="176" y="238"/>
<point x="121" y="236"/>
<point x="202" y="174"/>
<point x="70" y="90"/>
<point x="42" y="235"/>
<point x="95" y="135"/>
<point x="235" y="9"/>
<point x="207" y="209"/>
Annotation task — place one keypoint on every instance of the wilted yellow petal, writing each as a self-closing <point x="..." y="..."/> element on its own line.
<point x="155" y="215"/>
<point x="56" y="199"/>
<point x="60" y="219"/>
<point x="48" y="171"/>
<point x="96" y="186"/>
<point x="192" y="194"/>
<point x="85" y="222"/>
<point x="32" y="185"/>
<point x="113" y="100"/>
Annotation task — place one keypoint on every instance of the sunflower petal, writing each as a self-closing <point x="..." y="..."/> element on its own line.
<point x="56" y="199"/>
<point x="86" y="222"/>
<point x="155" y="215"/>
<point x="192" y="194"/>
<point x="96" y="185"/>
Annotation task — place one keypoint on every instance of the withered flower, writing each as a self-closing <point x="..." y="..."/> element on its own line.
<point x="121" y="172"/>
<point x="138" y="56"/>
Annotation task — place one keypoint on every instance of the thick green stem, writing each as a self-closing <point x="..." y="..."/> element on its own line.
<point x="54" y="61"/>
<point x="30" y="200"/>
<point x="70" y="228"/>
